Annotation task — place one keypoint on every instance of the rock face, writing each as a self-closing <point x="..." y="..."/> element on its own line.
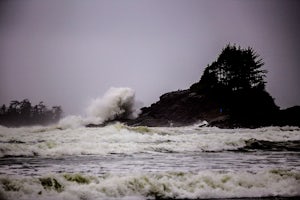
<point x="179" y="108"/>
<point x="250" y="109"/>
<point x="289" y="116"/>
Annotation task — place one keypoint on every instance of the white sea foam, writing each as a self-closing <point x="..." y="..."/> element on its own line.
<point x="124" y="162"/>
<point x="176" y="185"/>
<point x="118" y="138"/>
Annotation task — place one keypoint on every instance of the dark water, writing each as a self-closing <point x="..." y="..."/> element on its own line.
<point x="145" y="162"/>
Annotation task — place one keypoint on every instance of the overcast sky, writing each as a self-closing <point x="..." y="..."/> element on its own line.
<point x="65" y="52"/>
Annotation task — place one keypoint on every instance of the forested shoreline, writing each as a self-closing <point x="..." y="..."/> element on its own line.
<point x="23" y="113"/>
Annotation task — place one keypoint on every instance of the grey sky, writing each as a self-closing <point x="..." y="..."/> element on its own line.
<point x="66" y="52"/>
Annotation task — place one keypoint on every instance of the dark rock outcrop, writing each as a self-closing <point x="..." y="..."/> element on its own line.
<point x="179" y="108"/>
<point x="231" y="93"/>
<point x="249" y="109"/>
<point x="289" y="116"/>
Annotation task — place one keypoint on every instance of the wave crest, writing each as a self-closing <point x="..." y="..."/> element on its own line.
<point x="117" y="103"/>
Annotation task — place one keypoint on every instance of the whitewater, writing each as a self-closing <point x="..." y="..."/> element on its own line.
<point x="70" y="161"/>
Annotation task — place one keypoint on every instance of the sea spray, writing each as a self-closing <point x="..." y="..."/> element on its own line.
<point x="116" y="103"/>
<point x="72" y="121"/>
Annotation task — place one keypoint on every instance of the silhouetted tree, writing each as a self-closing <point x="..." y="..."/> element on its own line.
<point x="23" y="113"/>
<point x="14" y="107"/>
<point x="3" y="109"/>
<point x="235" y="69"/>
<point x="236" y="82"/>
<point x="13" y="111"/>
<point x="25" y="110"/>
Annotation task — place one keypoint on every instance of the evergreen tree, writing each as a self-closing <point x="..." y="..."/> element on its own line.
<point x="3" y="109"/>
<point x="235" y="81"/>
<point x="235" y="69"/>
<point x="21" y="113"/>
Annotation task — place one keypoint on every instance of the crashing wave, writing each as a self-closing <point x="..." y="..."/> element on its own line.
<point x="159" y="185"/>
<point x="116" y="103"/>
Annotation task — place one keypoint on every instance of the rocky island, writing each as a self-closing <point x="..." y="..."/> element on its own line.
<point x="230" y="94"/>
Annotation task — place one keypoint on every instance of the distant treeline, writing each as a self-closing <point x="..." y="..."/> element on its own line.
<point x="23" y="113"/>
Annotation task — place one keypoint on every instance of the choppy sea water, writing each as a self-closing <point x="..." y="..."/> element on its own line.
<point x="121" y="162"/>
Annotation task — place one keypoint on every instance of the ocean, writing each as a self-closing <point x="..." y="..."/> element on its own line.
<point x="122" y="162"/>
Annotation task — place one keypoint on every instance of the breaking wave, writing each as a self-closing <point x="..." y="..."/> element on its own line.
<point x="122" y="162"/>
<point x="254" y="144"/>
<point x="116" y="103"/>
<point x="119" y="138"/>
<point x="161" y="185"/>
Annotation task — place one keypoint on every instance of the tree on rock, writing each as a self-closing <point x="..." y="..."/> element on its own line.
<point x="235" y="69"/>
<point x="235" y="81"/>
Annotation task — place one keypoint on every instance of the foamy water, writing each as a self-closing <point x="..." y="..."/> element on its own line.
<point x="121" y="162"/>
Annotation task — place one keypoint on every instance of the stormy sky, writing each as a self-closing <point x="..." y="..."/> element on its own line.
<point x="65" y="52"/>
